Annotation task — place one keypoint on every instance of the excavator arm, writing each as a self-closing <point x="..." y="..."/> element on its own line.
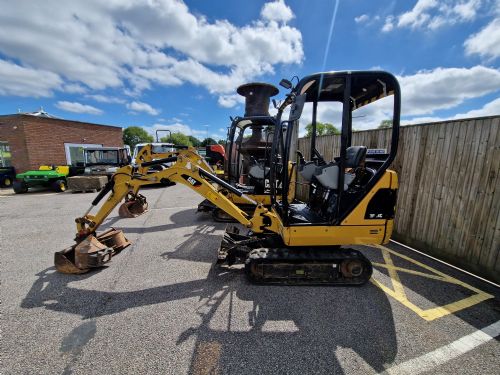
<point x="146" y="155"/>
<point x="183" y="166"/>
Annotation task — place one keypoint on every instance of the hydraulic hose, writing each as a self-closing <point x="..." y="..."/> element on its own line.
<point x="105" y="190"/>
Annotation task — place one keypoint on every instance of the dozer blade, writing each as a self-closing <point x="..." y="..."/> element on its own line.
<point x="222" y="217"/>
<point x="206" y="206"/>
<point x="92" y="252"/>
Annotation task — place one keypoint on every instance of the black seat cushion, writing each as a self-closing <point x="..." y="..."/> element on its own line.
<point x="354" y="156"/>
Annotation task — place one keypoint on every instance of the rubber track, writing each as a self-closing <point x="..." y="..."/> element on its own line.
<point x="310" y="266"/>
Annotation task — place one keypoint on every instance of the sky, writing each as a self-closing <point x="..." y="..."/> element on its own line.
<point x="168" y="64"/>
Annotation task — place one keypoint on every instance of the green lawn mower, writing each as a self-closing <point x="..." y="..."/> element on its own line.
<point x="46" y="176"/>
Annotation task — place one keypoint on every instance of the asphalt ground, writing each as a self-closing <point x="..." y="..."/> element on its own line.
<point x="163" y="307"/>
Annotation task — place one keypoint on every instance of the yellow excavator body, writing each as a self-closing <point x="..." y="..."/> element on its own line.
<point x="285" y="241"/>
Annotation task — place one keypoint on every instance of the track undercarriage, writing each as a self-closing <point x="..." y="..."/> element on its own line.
<point x="268" y="261"/>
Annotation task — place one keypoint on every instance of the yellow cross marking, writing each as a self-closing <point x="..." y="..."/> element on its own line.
<point x="398" y="293"/>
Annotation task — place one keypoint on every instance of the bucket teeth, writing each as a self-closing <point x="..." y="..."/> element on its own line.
<point x="92" y="252"/>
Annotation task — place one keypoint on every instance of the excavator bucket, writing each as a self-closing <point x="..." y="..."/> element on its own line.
<point x="92" y="252"/>
<point x="133" y="207"/>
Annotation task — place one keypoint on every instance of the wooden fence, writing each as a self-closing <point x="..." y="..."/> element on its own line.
<point x="449" y="194"/>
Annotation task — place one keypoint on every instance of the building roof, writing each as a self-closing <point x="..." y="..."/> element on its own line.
<point x="39" y="113"/>
<point x="44" y="116"/>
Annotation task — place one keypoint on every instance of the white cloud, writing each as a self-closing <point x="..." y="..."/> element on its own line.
<point x="179" y="127"/>
<point x="433" y="14"/>
<point x="489" y="109"/>
<point x="276" y="11"/>
<point x="419" y="15"/>
<point x="389" y="24"/>
<point x="20" y="81"/>
<point x="361" y="19"/>
<point x="74" y="88"/>
<point x="229" y="101"/>
<point x="78" y="108"/>
<point x="105" y="99"/>
<point x="143" y="107"/>
<point x="132" y="45"/>
<point x="444" y="88"/>
<point x="486" y="43"/>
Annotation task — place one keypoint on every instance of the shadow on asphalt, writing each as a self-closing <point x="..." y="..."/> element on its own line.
<point x="180" y="219"/>
<point x="325" y="318"/>
<point x="361" y="319"/>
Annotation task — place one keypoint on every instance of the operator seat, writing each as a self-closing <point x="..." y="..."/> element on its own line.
<point x="327" y="175"/>
<point x="259" y="171"/>
<point x="307" y="169"/>
<point x="258" y="174"/>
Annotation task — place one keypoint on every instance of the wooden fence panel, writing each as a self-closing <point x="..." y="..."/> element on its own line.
<point x="449" y="194"/>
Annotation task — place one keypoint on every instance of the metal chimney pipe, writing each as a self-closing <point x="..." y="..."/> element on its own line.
<point x="257" y="97"/>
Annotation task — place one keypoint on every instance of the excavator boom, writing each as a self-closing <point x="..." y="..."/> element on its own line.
<point x="185" y="167"/>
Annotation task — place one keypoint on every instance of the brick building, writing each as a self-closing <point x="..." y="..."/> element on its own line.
<point x="30" y="140"/>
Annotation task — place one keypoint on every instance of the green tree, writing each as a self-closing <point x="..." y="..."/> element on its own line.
<point x="208" y="141"/>
<point x="134" y="135"/>
<point x="322" y="129"/>
<point x="178" y="139"/>
<point x="194" y="141"/>
<point x="330" y="129"/>
<point x="384" y="124"/>
<point x="222" y="142"/>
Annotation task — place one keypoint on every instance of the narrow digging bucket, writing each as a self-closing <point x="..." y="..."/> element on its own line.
<point x="92" y="252"/>
<point x="132" y="209"/>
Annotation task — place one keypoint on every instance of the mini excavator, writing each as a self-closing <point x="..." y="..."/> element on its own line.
<point x="248" y="149"/>
<point x="351" y="198"/>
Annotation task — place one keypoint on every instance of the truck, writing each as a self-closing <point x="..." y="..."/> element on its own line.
<point x="104" y="161"/>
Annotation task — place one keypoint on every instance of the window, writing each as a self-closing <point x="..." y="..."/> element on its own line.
<point x="74" y="152"/>
<point x="5" y="156"/>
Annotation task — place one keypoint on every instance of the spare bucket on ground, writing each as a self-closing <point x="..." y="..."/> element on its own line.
<point x="92" y="252"/>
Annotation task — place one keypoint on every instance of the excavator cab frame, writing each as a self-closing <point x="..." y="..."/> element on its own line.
<point x="353" y="90"/>
<point x="248" y="150"/>
<point x="235" y="137"/>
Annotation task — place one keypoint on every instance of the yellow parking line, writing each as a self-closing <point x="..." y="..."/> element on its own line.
<point x="399" y="294"/>
<point x="396" y="282"/>
<point x="412" y="272"/>
<point x="403" y="300"/>
<point x="453" y="307"/>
